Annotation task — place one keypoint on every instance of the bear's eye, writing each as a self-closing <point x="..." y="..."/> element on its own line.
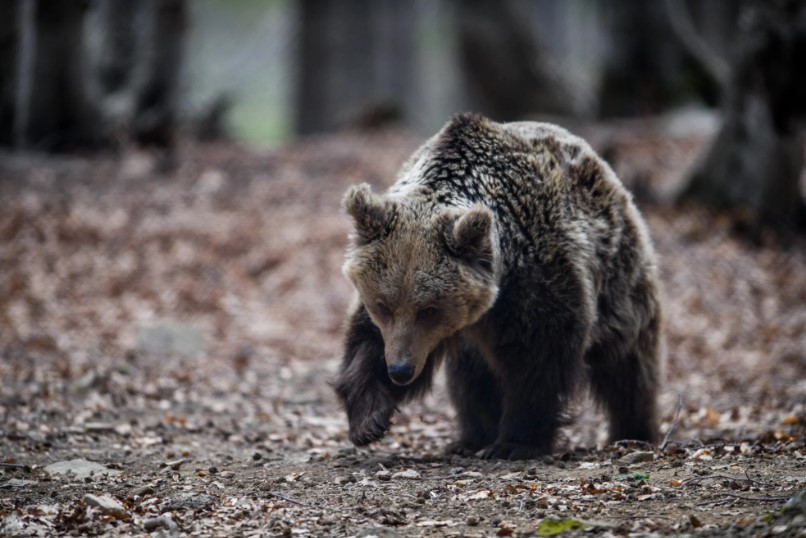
<point x="428" y="315"/>
<point x="383" y="310"/>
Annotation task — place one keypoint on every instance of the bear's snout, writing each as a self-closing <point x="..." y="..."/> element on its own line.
<point x="401" y="373"/>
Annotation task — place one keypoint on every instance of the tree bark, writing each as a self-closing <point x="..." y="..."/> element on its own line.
<point x="647" y="69"/>
<point x="755" y="162"/>
<point x="157" y="104"/>
<point x="58" y="115"/>
<point x="9" y="51"/>
<point x="507" y="73"/>
<point x="356" y="59"/>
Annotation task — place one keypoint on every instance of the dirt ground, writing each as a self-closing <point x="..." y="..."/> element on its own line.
<point x="169" y="326"/>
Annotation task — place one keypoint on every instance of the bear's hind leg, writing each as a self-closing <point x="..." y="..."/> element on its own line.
<point x="626" y="385"/>
<point x="476" y="396"/>
<point x="540" y="375"/>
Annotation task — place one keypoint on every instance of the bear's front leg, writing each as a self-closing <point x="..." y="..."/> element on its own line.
<point x="364" y="387"/>
<point x="361" y="385"/>
<point x="539" y="374"/>
<point x="476" y="396"/>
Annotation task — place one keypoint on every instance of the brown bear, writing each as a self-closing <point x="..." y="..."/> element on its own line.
<point x="513" y="254"/>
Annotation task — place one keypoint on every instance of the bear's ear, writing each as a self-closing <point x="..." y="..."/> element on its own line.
<point x="471" y="238"/>
<point x="372" y="215"/>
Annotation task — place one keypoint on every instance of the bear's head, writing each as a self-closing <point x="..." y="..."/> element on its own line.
<point x="422" y="277"/>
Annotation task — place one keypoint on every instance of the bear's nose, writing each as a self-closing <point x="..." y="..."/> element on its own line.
<point x="401" y="373"/>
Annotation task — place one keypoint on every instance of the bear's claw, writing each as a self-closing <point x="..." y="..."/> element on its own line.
<point x="371" y="429"/>
<point x="462" y="448"/>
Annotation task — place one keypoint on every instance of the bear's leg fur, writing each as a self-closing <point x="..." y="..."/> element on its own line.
<point x="540" y="366"/>
<point x="476" y="396"/>
<point x="626" y="382"/>
<point x="363" y="385"/>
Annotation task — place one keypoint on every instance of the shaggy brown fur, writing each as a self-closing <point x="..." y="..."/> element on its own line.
<point x="513" y="253"/>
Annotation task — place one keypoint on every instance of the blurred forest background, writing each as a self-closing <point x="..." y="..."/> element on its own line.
<point x="171" y="244"/>
<point x="78" y="74"/>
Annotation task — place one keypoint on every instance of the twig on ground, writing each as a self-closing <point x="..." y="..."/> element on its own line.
<point x="289" y="499"/>
<point x="733" y="496"/>
<point x="694" y="479"/>
<point x="765" y="499"/>
<point x="673" y="425"/>
<point x="13" y="465"/>
<point x="747" y="474"/>
<point x="164" y="520"/>
<point x="716" y="503"/>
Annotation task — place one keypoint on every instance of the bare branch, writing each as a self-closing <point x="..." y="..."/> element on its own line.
<point x="683" y="27"/>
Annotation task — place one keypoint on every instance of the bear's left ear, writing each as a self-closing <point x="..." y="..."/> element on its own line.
<point x="471" y="238"/>
<point x="371" y="214"/>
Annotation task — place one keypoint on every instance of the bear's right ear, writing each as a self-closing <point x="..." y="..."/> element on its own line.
<point x="372" y="216"/>
<point x="471" y="238"/>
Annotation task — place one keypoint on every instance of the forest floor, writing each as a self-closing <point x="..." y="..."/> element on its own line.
<point x="169" y="327"/>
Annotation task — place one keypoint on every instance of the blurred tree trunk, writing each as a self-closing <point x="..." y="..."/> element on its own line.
<point x="756" y="159"/>
<point x="356" y="63"/>
<point x="9" y="36"/>
<point x="57" y="113"/>
<point x="66" y="84"/>
<point x="507" y="73"/>
<point x="158" y="102"/>
<point x="138" y="67"/>
<point x="647" y="69"/>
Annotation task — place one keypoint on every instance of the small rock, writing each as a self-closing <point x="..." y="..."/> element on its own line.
<point x="162" y="521"/>
<point x="636" y="457"/>
<point x="408" y="474"/>
<point x="124" y="429"/>
<point x="472" y="521"/>
<point x="173" y="465"/>
<point x="81" y="469"/>
<point x="85" y="382"/>
<point x="106" y="505"/>
<point x="384" y="475"/>
<point x="142" y="491"/>
<point x="471" y="474"/>
<point x="796" y="504"/>
<point x="99" y="427"/>
<point x="170" y="337"/>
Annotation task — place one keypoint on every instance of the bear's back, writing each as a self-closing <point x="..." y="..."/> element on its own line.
<point x="474" y="160"/>
<point x="547" y="187"/>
